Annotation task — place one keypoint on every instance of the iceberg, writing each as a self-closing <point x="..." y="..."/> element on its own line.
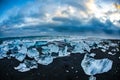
<point x="93" y="66"/>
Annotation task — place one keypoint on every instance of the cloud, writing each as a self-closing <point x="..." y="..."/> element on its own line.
<point x="50" y="17"/>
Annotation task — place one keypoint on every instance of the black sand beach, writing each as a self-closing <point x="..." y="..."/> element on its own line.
<point x="63" y="68"/>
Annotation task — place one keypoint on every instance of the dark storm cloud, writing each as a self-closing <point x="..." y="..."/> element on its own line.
<point x="93" y="26"/>
<point x="68" y="21"/>
<point x="68" y="26"/>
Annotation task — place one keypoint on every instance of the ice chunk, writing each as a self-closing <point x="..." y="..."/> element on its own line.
<point x="103" y="50"/>
<point x="22" y="67"/>
<point x="31" y="64"/>
<point x="3" y="51"/>
<point x="119" y="57"/>
<point x="20" y="56"/>
<point x="23" y="50"/>
<point x="32" y="53"/>
<point x="117" y="49"/>
<point x="45" y="49"/>
<point x="111" y="53"/>
<point x="92" y="78"/>
<point x="92" y="54"/>
<point x="86" y="47"/>
<point x="113" y="50"/>
<point x="103" y="47"/>
<point x="17" y="42"/>
<point x="50" y="49"/>
<point x="53" y="48"/>
<point x="93" y="66"/>
<point x="80" y="47"/>
<point x="92" y="42"/>
<point x="29" y="44"/>
<point x="26" y="66"/>
<point x="2" y="55"/>
<point x="113" y="44"/>
<point x="40" y="43"/>
<point x="64" y="52"/>
<point x="44" y="60"/>
<point x="15" y="49"/>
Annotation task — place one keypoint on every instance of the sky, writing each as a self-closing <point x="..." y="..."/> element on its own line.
<point x="60" y="17"/>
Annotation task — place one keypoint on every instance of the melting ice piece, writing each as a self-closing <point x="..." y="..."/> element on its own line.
<point x="92" y="78"/>
<point x="32" y="53"/>
<point x="80" y="47"/>
<point x="29" y="44"/>
<point x="23" y="50"/>
<point x="63" y="52"/>
<point x="45" y="60"/>
<point x="20" y="56"/>
<point x="93" y="66"/>
<point x="103" y="50"/>
<point x="53" y="48"/>
<point x="111" y="53"/>
<point x="113" y="44"/>
<point x="3" y="51"/>
<point x="17" y="42"/>
<point x="39" y="43"/>
<point x="50" y="49"/>
<point x="22" y="67"/>
<point x="2" y="55"/>
<point x="26" y="66"/>
<point x="31" y="64"/>
<point x="92" y="54"/>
